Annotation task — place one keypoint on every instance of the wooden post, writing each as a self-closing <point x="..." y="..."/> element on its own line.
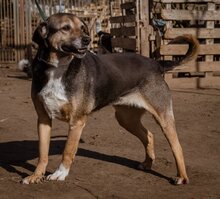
<point x="169" y="25"/>
<point x="210" y="25"/>
<point x="28" y="25"/>
<point x="16" y="28"/>
<point x="22" y="31"/>
<point x="144" y="28"/>
<point x="138" y="26"/>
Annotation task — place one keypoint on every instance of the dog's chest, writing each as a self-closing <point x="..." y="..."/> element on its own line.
<point x="53" y="96"/>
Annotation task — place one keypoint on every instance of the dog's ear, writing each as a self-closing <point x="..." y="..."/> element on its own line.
<point x="40" y="34"/>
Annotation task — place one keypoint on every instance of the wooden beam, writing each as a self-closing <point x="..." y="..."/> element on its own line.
<point x="123" y="31"/>
<point x="194" y="82"/>
<point x="173" y="14"/>
<point x="190" y="1"/>
<point x="209" y="66"/>
<point x="145" y="30"/>
<point x="201" y="33"/>
<point x="210" y="25"/>
<point x="128" y="5"/>
<point x="169" y="24"/>
<point x="126" y="43"/>
<point x="179" y="49"/>
<point x="183" y="83"/>
<point x="210" y="82"/>
<point x="203" y="66"/>
<point x="122" y="19"/>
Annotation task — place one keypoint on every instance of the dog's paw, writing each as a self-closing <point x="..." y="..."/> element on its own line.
<point x="33" y="179"/>
<point x="60" y="174"/>
<point x="146" y="165"/>
<point x="179" y="181"/>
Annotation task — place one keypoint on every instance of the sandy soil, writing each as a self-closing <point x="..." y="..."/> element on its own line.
<point x="105" y="166"/>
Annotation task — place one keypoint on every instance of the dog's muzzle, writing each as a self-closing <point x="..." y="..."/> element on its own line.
<point x="86" y="40"/>
<point x="78" y="46"/>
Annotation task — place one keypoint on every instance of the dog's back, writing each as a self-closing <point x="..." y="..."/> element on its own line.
<point x="114" y="75"/>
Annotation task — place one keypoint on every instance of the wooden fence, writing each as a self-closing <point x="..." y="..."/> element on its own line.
<point x="142" y="26"/>
<point x="130" y="28"/>
<point x="201" y="19"/>
<point x="19" y="18"/>
<point x="146" y="26"/>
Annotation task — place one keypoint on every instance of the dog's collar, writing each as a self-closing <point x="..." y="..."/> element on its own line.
<point x="62" y="62"/>
<point x="47" y="62"/>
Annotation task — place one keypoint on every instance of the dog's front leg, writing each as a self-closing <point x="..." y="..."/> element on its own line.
<point x="44" y="131"/>
<point x="75" y="131"/>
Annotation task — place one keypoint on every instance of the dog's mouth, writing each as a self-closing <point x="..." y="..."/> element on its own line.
<point x="72" y="49"/>
<point x="82" y="50"/>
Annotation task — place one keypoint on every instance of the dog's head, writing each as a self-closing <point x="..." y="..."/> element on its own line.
<point x="63" y="33"/>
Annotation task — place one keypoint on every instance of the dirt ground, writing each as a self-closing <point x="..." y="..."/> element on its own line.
<point x="105" y="166"/>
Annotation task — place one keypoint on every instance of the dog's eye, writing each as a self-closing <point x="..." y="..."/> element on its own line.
<point x="66" y="27"/>
<point x="84" y="29"/>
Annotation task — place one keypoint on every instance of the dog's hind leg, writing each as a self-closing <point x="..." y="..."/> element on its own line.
<point x="130" y="119"/>
<point x="159" y="103"/>
<point x="167" y="124"/>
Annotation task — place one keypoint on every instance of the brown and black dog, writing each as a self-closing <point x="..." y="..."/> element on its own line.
<point x="69" y="83"/>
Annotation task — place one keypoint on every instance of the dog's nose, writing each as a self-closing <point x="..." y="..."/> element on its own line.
<point x="86" y="40"/>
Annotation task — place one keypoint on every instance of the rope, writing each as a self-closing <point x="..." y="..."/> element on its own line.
<point x="41" y="12"/>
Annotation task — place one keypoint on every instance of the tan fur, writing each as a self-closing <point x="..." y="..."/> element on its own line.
<point x="193" y="49"/>
<point x="75" y="131"/>
<point x="66" y="111"/>
<point x="130" y="119"/>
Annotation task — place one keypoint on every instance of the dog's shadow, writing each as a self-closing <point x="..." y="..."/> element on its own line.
<point x="18" y="153"/>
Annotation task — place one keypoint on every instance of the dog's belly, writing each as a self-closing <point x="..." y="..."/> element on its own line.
<point x="132" y="99"/>
<point x="135" y="99"/>
<point x="53" y="96"/>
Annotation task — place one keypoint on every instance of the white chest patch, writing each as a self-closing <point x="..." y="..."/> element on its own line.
<point x="53" y="96"/>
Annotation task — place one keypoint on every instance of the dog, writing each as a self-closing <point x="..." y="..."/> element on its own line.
<point x="104" y="42"/>
<point x="24" y="65"/>
<point x="69" y="82"/>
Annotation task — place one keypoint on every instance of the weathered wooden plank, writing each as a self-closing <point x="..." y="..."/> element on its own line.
<point x="189" y="1"/>
<point x="173" y="14"/>
<point x="128" y="5"/>
<point x="169" y="24"/>
<point x="175" y="83"/>
<point x="123" y="31"/>
<point x="208" y="66"/>
<point x="126" y="43"/>
<point x="193" y="82"/>
<point x="210" y="82"/>
<point x="177" y="49"/>
<point x="201" y="66"/>
<point x="144" y="28"/>
<point x="200" y="33"/>
<point x="138" y="28"/>
<point x="122" y="19"/>
<point x="210" y="25"/>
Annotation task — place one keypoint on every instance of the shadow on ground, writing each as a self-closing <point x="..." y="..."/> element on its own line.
<point x="18" y="153"/>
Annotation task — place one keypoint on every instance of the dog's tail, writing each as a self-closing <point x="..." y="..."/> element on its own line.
<point x="190" y="54"/>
